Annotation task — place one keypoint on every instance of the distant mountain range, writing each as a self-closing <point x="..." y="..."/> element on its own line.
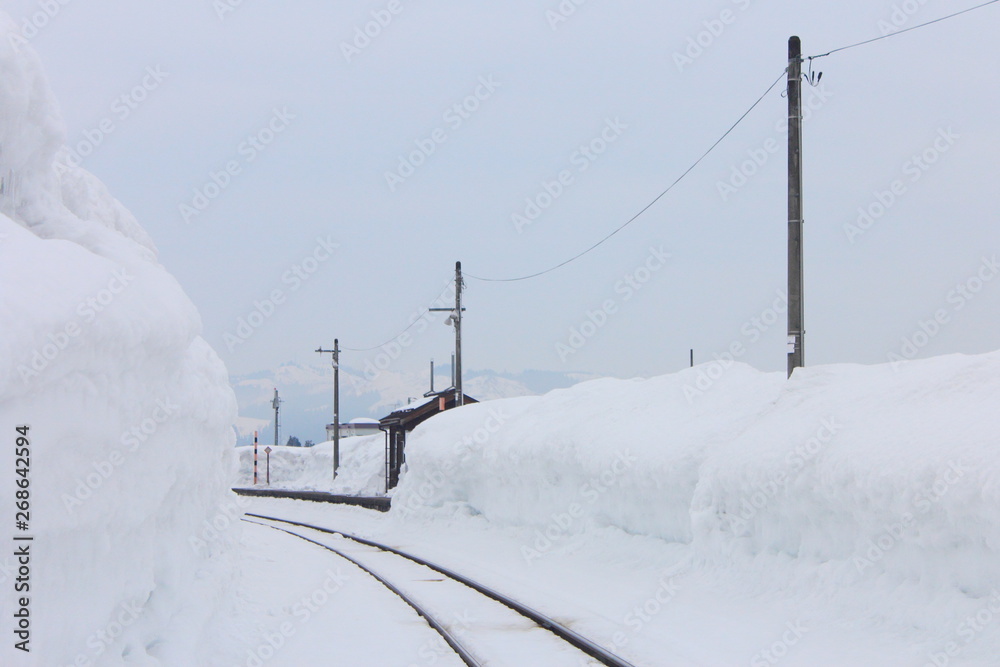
<point x="306" y="393"/>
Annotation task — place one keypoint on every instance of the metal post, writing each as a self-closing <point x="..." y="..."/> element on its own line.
<point x="692" y="358"/>
<point x="796" y="319"/>
<point x="336" y="407"/>
<point x="459" y="395"/>
<point x="255" y="458"/>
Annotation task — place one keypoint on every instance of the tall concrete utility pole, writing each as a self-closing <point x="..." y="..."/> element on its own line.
<point x="796" y="316"/>
<point x="459" y="394"/>
<point x="336" y="403"/>
<point x="455" y="320"/>
<point x="276" y="404"/>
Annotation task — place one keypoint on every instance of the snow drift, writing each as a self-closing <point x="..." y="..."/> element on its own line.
<point x="841" y="476"/>
<point x="130" y="411"/>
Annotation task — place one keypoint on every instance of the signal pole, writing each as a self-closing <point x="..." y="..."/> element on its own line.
<point x="336" y="403"/>
<point x="796" y="317"/>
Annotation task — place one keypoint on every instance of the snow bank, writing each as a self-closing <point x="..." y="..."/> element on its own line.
<point x="843" y="474"/>
<point x="361" y="472"/>
<point x="130" y="411"/>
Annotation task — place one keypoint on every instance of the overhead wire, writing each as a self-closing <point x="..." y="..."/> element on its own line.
<point x="712" y="147"/>
<point x="904" y="30"/>
<point x="423" y="312"/>
<point x="644" y="208"/>
<point x="685" y="173"/>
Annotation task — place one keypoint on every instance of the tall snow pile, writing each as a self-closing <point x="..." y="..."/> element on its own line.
<point x="879" y="479"/>
<point x="129" y="411"/>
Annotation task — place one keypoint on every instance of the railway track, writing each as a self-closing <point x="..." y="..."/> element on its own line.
<point x="480" y="625"/>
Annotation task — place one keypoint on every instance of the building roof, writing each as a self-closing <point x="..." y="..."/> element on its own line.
<point x="416" y="413"/>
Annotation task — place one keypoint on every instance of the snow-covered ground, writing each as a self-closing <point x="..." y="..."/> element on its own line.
<point x="717" y="516"/>
<point x="722" y="516"/>
<point x="361" y="471"/>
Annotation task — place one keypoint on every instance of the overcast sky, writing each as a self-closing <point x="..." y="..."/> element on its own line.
<point x="332" y="113"/>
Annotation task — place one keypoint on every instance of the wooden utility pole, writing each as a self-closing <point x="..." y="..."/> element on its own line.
<point x="336" y="403"/>
<point x="796" y="317"/>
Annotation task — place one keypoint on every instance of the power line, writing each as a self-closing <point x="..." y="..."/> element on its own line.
<point x="685" y="173"/>
<point x="712" y="147"/>
<point x="412" y="324"/>
<point x="647" y="206"/>
<point x="900" y="32"/>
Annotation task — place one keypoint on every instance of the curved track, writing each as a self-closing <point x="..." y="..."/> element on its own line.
<point x="374" y="549"/>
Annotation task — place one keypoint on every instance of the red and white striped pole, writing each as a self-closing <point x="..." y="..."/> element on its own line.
<point x="255" y="458"/>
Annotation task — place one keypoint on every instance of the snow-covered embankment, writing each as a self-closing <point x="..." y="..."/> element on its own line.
<point x="129" y="410"/>
<point x="874" y="486"/>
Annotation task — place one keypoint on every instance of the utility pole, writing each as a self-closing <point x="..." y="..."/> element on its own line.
<point x="276" y="404"/>
<point x="796" y="317"/>
<point x="459" y="394"/>
<point x="455" y="319"/>
<point x="336" y="403"/>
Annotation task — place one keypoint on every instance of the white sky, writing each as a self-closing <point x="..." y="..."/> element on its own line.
<point x="323" y="176"/>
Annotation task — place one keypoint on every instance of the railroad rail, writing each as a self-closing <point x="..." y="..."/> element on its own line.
<point x="567" y="635"/>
